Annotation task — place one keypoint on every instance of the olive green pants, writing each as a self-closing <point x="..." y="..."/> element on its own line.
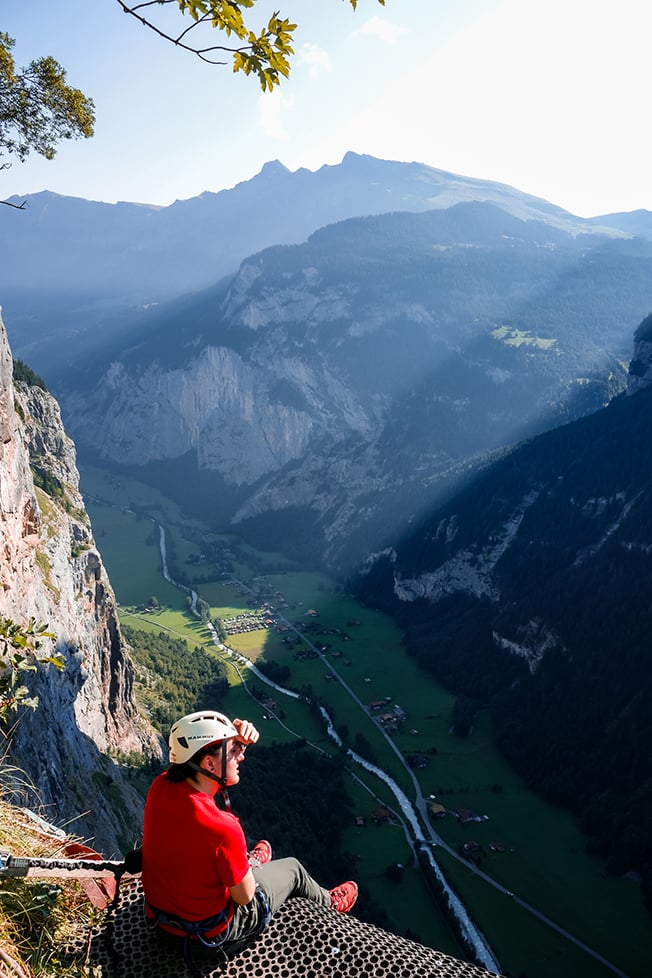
<point x="280" y="879"/>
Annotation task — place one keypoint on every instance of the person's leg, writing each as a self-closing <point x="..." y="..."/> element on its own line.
<point x="246" y="922"/>
<point x="285" y="878"/>
<point x="282" y="879"/>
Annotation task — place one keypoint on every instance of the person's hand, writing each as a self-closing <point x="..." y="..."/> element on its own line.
<point x="247" y="733"/>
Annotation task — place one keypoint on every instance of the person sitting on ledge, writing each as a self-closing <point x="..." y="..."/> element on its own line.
<point x="200" y="883"/>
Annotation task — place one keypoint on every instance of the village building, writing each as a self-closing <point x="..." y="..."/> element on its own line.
<point x="382" y="816"/>
<point x="418" y="761"/>
<point x="466" y="815"/>
<point x="471" y="848"/>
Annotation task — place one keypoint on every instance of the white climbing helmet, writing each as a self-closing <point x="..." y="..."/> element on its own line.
<point x="197" y="730"/>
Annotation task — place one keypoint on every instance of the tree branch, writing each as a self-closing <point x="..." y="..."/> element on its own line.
<point x="19" y="207"/>
<point x="200" y="52"/>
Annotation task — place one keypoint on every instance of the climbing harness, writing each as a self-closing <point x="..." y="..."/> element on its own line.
<point x="265" y="907"/>
<point x="195" y="931"/>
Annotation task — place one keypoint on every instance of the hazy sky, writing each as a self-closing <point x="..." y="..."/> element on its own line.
<point x="550" y="96"/>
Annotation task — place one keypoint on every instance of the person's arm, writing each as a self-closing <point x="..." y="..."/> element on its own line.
<point x="247" y="733"/>
<point x="243" y="892"/>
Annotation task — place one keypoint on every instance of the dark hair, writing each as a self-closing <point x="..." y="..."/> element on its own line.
<point x="179" y="772"/>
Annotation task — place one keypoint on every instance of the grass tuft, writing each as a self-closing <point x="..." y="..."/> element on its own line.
<point x="38" y="918"/>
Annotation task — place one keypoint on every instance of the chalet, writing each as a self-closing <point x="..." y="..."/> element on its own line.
<point x="471" y="849"/>
<point x="465" y="815"/>
<point x="418" y="761"/>
<point x="437" y="810"/>
<point x="382" y="816"/>
<point x="496" y="846"/>
<point x="304" y="654"/>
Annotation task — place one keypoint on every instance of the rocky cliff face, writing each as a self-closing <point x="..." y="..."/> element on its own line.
<point x="640" y="368"/>
<point x="50" y="570"/>
<point x="243" y="417"/>
<point x="347" y="379"/>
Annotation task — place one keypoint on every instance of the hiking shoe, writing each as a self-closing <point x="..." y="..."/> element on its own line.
<point x="344" y="896"/>
<point x="260" y="854"/>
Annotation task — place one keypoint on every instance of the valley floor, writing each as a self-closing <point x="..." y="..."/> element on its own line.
<point x="533" y="851"/>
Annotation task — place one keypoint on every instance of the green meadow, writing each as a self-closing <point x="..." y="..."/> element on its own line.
<point x="544" y="860"/>
<point x="130" y="550"/>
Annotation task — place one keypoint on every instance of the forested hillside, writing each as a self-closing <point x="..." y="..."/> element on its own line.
<point x="172" y="679"/>
<point x="529" y="594"/>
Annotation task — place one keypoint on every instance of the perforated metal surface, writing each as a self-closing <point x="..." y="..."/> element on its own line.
<point x="302" y="941"/>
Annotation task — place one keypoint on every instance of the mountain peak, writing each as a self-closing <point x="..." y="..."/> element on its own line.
<point x="272" y="168"/>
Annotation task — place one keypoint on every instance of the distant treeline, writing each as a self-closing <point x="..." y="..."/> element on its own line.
<point x="24" y="373"/>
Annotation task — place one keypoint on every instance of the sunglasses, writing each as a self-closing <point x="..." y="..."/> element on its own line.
<point x="237" y="750"/>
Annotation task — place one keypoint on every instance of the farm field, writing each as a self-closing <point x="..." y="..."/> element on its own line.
<point x="545" y="861"/>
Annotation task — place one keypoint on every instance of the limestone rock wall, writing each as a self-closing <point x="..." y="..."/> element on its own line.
<point x="50" y="570"/>
<point x="640" y="369"/>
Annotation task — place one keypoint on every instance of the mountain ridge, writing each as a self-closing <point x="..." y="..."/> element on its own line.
<point x="59" y="265"/>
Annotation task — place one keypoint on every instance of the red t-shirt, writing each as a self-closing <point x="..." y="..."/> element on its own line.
<point x="192" y="851"/>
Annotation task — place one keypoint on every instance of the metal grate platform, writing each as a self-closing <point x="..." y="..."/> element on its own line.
<point x="303" y="940"/>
